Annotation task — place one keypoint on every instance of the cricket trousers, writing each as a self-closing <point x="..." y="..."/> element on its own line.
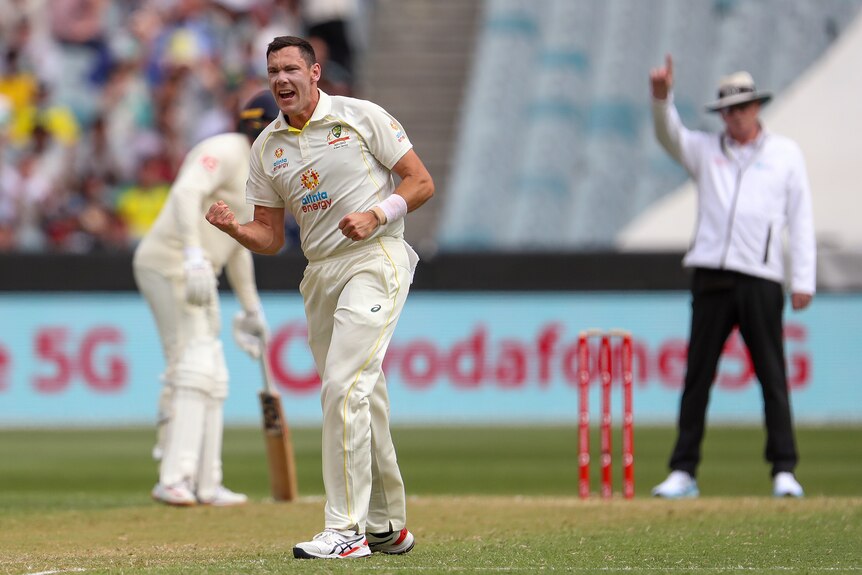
<point x="177" y="322"/>
<point x="352" y="304"/>
<point x="722" y="300"/>
<point x="194" y="384"/>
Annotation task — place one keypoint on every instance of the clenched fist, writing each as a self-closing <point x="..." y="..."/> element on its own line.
<point x="221" y="216"/>
<point x="358" y="225"/>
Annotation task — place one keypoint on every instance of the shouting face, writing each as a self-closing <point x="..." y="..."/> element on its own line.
<point x="293" y="82"/>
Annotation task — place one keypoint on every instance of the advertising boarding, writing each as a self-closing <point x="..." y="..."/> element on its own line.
<point x="456" y="358"/>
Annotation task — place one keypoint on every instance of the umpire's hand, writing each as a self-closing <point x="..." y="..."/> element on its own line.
<point x="800" y="300"/>
<point x="661" y="79"/>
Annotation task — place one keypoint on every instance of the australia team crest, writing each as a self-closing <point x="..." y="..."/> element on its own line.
<point x="338" y="137"/>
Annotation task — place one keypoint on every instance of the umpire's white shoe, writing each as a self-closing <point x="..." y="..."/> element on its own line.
<point x="224" y="497"/>
<point x="392" y="543"/>
<point x="784" y="484"/>
<point x="332" y="544"/>
<point x="179" y="494"/>
<point x="678" y="485"/>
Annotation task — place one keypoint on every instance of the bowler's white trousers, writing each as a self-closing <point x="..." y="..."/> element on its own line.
<point x="352" y="304"/>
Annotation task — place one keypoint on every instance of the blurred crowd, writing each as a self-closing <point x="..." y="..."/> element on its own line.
<point x="101" y="99"/>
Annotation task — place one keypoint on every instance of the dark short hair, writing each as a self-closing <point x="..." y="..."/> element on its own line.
<point x="305" y="48"/>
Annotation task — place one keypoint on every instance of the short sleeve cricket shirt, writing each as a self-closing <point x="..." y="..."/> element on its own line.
<point x="340" y="162"/>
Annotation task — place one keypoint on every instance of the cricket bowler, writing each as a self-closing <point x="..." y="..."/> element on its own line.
<point x="329" y="160"/>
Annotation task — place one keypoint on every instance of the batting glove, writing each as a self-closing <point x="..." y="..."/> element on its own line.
<point x="200" y="279"/>
<point x="250" y="332"/>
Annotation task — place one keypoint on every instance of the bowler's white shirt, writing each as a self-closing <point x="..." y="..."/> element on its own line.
<point x="340" y="162"/>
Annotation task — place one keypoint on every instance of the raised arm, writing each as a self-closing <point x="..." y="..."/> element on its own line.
<point x="666" y="122"/>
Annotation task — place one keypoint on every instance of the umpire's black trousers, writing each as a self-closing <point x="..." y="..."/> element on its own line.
<point x="722" y="300"/>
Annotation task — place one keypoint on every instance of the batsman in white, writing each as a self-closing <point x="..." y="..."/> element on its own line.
<point x="175" y="267"/>
<point x="329" y="160"/>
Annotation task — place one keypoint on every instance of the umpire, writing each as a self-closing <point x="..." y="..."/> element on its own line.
<point x="752" y="185"/>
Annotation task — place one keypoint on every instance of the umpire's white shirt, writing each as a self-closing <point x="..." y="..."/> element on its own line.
<point x="747" y="196"/>
<point x="339" y="163"/>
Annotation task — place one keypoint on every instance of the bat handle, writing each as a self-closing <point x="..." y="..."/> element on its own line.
<point x="265" y="370"/>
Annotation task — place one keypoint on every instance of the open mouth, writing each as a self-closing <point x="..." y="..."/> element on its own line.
<point x="286" y="95"/>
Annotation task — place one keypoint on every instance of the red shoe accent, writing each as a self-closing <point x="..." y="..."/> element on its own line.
<point x="354" y="549"/>
<point x="402" y="536"/>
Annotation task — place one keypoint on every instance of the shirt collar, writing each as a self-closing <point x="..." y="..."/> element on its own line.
<point x="755" y="143"/>
<point x="324" y="106"/>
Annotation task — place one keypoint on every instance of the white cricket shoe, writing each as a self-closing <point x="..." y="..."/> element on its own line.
<point x="784" y="484"/>
<point x="392" y="543"/>
<point x="332" y="544"/>
<point x="678" y="485"/>
<point x="224" y="497"/>
<point x="179" y="494"/>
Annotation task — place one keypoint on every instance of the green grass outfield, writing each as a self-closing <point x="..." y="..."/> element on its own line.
<point x="481" y="500"/>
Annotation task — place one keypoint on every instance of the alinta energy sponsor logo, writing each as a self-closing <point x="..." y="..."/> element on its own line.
<point x="280" y="161"/>
<point x="316" y="201"/>
<point x="399" y="131"/>
<point x="338" y="137"/>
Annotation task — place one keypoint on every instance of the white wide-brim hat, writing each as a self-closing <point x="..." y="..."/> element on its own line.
<point x="738" y="88"/>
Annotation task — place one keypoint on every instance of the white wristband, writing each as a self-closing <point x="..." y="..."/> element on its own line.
<point x="394" y="207"/>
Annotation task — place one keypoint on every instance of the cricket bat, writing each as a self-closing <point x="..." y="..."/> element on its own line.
<point x="276" y="433"/>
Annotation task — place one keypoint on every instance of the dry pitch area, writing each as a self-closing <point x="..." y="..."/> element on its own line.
<point x="489" y="534"/>
<point x="484" y="501"/>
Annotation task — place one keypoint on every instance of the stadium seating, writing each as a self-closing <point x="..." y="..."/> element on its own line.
<point x="556" y="150"/>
